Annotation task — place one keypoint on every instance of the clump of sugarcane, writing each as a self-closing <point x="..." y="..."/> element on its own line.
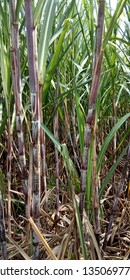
<point x="2" y="231"/>
<point x="35" y="107"/>
<point x="16" y="77"/>
<point x="90" y="121"/>
<point x="124" y="178"/>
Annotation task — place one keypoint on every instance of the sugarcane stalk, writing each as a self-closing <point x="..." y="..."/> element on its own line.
<point x="95" y="188"/>
<point x="35" y="107"/>
<point x="95" y="181"/>
<point x="92" y="102"/>
<point x="16" y="77"/>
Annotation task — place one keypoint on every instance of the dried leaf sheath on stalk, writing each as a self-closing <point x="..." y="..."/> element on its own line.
<point x="34" y="90"/>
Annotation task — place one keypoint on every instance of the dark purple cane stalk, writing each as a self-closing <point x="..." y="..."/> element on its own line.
<point x="16" y="77"/>
<point x="95" y="183"/>
<point x="34" y="91"/>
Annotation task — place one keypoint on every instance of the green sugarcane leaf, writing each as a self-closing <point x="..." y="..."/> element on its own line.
<point x="55" y="58"/>
<point x="80" y="120"/>
<point x="113" y="21"/>
<point x="52" y="137"/>
<point x="70" y="168"/>
<point x="18" y="7"/>
<point x="38" y="12"/>
<point x="80" y="229"/>
<point x="63" y="16"/>
<point x="111" y="172"/>
<point x="69" y="165"/>
<point x="45" y="34"/>
<point x="109" y="138"/>
<point x="4" y="19"/>
<point x="4" y="65"/>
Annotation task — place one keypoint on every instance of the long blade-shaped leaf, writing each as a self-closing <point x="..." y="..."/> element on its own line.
<point x="111" y="172"/>
<point x="109" y="138"/>
<point x="38" y="11"/>
<point x="4" y="65"/>
<point x="45" y="33"/>
<point x="80" y="120"/>
<point x="55" y="58"/>
<point x="114" y="19"/>
<point x="80" y="229"/>
<point x="18" y="6"/>
<point x="69" y="165"/>
<point x="52" y="137"/>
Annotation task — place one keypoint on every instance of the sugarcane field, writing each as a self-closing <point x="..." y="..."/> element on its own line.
<point x="64" y="130"/>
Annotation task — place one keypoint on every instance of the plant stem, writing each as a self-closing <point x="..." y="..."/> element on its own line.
<point x="34" y="90"/>
<point x="92" y="103"/>
<point x="16" y="76"/>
